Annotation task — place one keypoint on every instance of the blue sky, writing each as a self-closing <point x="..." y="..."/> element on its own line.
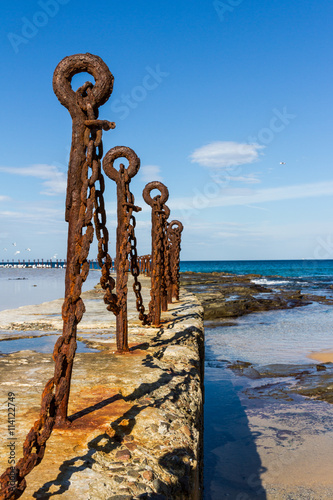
<point x="229" y="103"/>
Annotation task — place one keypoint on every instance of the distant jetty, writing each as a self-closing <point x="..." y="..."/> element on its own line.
<point x="42" y="264"/>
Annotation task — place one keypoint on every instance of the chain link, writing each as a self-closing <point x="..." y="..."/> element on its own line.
<point x="175" y="240"/>
<point x="134" y="266"/>
<point x="157" y="256"/>
<point x="73" y="308"/>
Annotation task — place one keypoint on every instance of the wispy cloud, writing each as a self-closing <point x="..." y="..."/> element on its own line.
<point x="150" y="173"/>
<point x="53" y="179"/>
<point x="246" y="179"/>
<point x="223" y="154"/>
<point x="228" y="197"/>
<point x="4" y="198"/>
<point x="37" y="215"/>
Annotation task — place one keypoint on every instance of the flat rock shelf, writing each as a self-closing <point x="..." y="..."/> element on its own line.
<point x="137" y="419"/>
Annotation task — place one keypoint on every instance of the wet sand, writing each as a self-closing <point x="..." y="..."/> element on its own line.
<point x="322" y="356"/>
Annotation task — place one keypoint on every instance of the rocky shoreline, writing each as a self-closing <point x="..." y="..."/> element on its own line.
<point x="268" y="432"/>
<point x="226" y="296"/>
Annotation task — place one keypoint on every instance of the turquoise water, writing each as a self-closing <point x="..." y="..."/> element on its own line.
<point x="290" y="268"/>
<point x="309" y="276"/>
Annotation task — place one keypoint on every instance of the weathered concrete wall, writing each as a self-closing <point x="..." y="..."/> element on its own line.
<point x="137" y="418"/>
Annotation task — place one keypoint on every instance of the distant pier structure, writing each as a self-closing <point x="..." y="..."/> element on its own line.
<point x="41" y="264"/>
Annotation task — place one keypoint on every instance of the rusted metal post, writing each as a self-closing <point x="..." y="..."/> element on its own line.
<point x="81" y="200"/>
<point x="175" y="229"/>
<point x="165" y="258"/>
<point x="147" y="265"/>
<point x="142" y="264"/>
<point x="125" y="207"/>
<point x="168" y="263"/>
<point x="157" y="246"/>
<point x="83" y="106"/>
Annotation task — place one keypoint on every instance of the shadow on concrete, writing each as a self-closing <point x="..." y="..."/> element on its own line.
<point x="91" y="409"/>
<point x="179" y="461"/>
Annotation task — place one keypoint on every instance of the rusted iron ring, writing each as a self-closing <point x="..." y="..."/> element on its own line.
<point x="78" y="63"/>
<point x="120" y="152"/>
<point x="179" y="226"/>
<point x="155" y="185"/>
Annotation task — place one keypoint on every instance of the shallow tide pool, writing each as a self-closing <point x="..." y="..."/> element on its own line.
<point x="285" y="336"/>
<point x="44" y="344"/>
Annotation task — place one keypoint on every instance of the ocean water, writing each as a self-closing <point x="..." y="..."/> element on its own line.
<point x="233" y="457"/>
<point x="288" y="268"/>
<point x="28" y="286"/>
<point x="268" y="337"/>
<point x="285" y="336"/>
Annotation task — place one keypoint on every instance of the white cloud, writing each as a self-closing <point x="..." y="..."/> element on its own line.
<point x="222" y="154"/>
<point x="54" y="180"/>
<point x="151" y="173"/>
<point x="4" y="198"/>
<point x="245" y="196"/>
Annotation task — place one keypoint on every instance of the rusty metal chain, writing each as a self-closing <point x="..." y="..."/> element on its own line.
<point x="174" y="230"/>
<point x="123" y="249"/>
<point x="126" y="240"/>
<point x="144" y="264"/>
<point x="85" y="205"/>
<point x="158" y="218"/>
<point x="165" y="212"/>
<point x="134" y="266"/>
<point x="80" y="202"/>
<point x="103" y="257"/>
<point x="167" y="263"/>
<point x="157" y="253"/>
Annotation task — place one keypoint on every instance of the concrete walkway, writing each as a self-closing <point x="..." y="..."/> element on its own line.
<point x="136" y="418"/>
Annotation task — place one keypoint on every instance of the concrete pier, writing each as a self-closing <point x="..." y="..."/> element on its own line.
<point x="136" y="427"/>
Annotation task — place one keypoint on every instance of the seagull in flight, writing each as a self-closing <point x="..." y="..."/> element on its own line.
<point x="29" y="249"/>
<point x="14" y="244"/>
<point x="282" y="162"/>
<point x="18" y="251"/>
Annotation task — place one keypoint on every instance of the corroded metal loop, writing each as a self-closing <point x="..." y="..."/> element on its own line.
<point x="163" y="197"/>
<point x="178" y="226"/>
<point x="120" y="152"/>
<point x="166" y="211"/>
<point x="78" y="63"/>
